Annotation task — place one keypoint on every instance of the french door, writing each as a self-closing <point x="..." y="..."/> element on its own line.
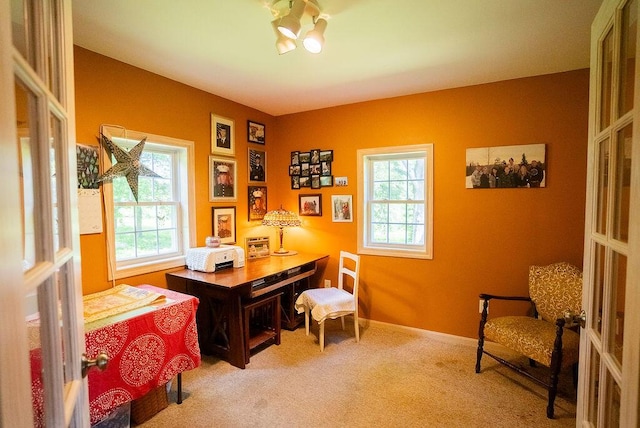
<point x="41" y="328"/>
<point x="610" y="340"/>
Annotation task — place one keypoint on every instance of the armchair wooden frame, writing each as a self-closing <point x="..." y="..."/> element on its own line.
<point x="556" y="356"/>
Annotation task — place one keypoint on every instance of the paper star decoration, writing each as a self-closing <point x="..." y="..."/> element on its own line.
<point x="128" y="165"/>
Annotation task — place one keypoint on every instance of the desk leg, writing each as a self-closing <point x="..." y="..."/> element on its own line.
<point x="180" y="388"/>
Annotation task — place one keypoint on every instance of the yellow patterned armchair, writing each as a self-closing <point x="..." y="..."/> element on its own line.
<point x="555" y="291"/>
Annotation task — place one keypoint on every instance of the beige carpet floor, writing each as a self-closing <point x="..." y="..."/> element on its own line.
<point x="393" y="378"/>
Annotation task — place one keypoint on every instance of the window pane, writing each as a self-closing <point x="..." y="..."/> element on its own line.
<point x="380" y="213"/>
<point x="603" y="184"/>
<point x="398" y="191"/>
<point x="147" y="243"/>
<point x="612" y="404"/>
<point x="56" y="185"/>
<point x="594" y="383"/>
<point x="167" y="241"/>
<point x="381" y="190"/>
<point x="379" y="233"/>
<point x="627" y="57"/>
<point x="124" y="219"/>
<point x="380" y="171"/>
<point x="415" y="235"/>
<point x="397" y="233"/>
<point x="416" y="168"/>
<point x="397" y="213"/>
<point x="23" y="29"/>
<point x="619" y="282"/>
<point x="125" y="246"/>
<point x="398" y="170"/>
<point x="121" y="190"/>
<point x="415" y="213"/>
<point x="606" y="77"/>
<point x="166" y="216"/>
<point x="598" y="285"/>
<point x="146" y="218"/>
<point x="622" y="192"/>
<point x="416" y="190"/>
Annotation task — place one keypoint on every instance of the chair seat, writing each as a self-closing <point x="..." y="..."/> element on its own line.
<point x="326" y="303"/>
<point x="532" y="338"/>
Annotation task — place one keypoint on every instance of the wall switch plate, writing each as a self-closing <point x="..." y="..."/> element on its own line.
<point x="327" y="283"/>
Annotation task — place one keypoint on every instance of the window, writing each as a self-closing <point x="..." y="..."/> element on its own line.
<point x="395" y="201"/>
<point x="153" y="233"/>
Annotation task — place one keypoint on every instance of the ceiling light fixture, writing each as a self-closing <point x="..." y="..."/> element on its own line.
<point x="290" y="17"/>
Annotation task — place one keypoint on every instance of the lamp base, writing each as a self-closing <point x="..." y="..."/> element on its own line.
<point x="284" y="253"/>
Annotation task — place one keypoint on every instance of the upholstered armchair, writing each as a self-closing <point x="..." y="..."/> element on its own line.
<point x="555" y="292"/>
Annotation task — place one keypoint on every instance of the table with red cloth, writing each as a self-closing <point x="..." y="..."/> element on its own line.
<point x="147" y="347"/>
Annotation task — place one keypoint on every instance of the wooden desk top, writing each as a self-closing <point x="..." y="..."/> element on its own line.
<point x="253" y="270"/>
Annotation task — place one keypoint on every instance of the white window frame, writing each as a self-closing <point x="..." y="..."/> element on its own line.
<point x="365" y="184"/>
<point x="185" y="153"/>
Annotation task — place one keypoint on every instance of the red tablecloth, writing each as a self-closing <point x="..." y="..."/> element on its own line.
<point x="147" y="347"/>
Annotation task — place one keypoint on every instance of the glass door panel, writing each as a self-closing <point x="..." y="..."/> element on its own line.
<point x="612" y="405"/>
<point x="22" y="29"/>
<point x="55" y="157"/>
<point x="594" y="385"/>
<point x="55" y="54"/>
<point x="598" y="284"/>
<point x="626" y="85"/>
<point x="622" y="194"/>
<point x="606" y="77"/>
<point x="616" y="326"/>
<point x="603" y="184"/>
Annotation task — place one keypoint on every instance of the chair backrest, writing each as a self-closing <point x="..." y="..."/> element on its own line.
<point x="555" y="289"/>
<point x="353" y="273"/>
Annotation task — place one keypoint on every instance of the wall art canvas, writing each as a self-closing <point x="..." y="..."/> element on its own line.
<point x="522" y="166"/>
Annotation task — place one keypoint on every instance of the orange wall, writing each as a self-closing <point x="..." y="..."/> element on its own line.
<point x="484" y="240"/>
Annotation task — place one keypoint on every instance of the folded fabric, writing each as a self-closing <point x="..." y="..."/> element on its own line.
<point x="326" y="303"/>
<point x="117" y="300"/>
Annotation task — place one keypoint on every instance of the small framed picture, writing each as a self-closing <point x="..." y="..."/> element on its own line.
<point x="224" y="224"/>
<point x="295" y="182"/>
<point x="294" y="169"/>
<point x="295" y="158"/>
<point x="305" y="169"/>
<point x="222" y="136"/>
<point x="255" y="132"/>
<point x="326" y="155"/>
<point x="257" y="202"/>
<point x="341" y="208"/>
<point x="310" y="205"/>
<point x="304" y="157"/>
<point x="314" y="156"/>
<point x="325" y="168"/>
<point x="222" y="180"/>
<point x="257" y="247"/>
<point x="257" y="166"/>
<point x="305" y="181"/>
<point x="326" y="180"/>
<point x="315" y="181"/>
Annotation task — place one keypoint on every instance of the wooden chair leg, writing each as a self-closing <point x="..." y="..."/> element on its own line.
<point x="306" y="320"/>
<point x="321" y="339"/>
<point x="483" y="321"/>
<point x="356" y="326"/>
<point x="342" y="321"/>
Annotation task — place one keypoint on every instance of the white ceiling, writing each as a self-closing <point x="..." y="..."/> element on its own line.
<point x="374" y="48"/>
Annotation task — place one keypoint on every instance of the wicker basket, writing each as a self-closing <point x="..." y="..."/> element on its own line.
<point x="146" y="407"/>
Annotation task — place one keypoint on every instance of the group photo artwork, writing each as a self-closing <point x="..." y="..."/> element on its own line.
<point x="521" y="166"/>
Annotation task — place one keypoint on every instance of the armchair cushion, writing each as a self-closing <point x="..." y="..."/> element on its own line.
<point x="532" y="338"/>
<point x="555" y="289"/>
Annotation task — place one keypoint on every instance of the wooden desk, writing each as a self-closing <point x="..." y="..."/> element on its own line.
<point x="225" y="294"/>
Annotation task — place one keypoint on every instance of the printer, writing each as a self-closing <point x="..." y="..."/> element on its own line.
<point x="206" y="259"/>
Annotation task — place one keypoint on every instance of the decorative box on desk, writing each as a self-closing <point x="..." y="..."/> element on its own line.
<point x="225" y="294"/>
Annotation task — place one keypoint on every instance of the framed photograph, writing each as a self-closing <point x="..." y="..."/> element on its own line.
<point x="222" y="180"/>
<point x="310" y="205"/>
<point x="255" y="132"/>
<point x="326" y="180"/>
<point x="522" y="166"/>
<point x="257" y="247"/>
<point x="224" y="224"/>
<point x="305" y="181"/>
<point x="325" y="167"/>
<point x="315" y="181"/>
<point x="257" y="202"/>
<point x="257" y="166"/>
<point x="342" y="181"/>
<point x="295" y="158"/>
<point x="314" y="156"/>
<point x="222" y="136"/>
<point x="304" y="157"/>
<point x="294" y="169"/>
<point x="305" y="169"/>
<point x="295" y="182"/>
<point x="326" y="155"/>
<point x="341" y="208"/>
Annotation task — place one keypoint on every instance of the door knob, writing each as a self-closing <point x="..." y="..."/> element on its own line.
<point x="573" y="319"/>
<point x="100" y="362"/>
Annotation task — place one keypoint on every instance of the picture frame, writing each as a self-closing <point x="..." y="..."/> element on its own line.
<point x="326" y="155"/>
<point x="314" y="156"/>
<point x="304" y="157"/>
<point x="341" y="208"/>
<point x="257" y="247"/>
<point x="257" y="166"/>
<point x="256" y="132"/>
<point x="295" y="158"/>
<point x="310" y="205"/>
<point x="326" y="180"/>
<point x="295" y="182"/>
<point x="315" y="181"/>
<point x="257" y="197"/>
<point x="520" y="166"/>
<point x="222" y="179"/>
<point x="223" y="224"/>
<point x="222" y="135"/>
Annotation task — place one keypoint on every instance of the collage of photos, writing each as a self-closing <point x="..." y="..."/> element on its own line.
<point x="311" y="169"/>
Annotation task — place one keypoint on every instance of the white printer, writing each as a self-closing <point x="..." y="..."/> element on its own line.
<point x="206" y="259"/>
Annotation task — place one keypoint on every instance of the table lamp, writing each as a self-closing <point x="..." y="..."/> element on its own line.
<point x="281" y="218"/>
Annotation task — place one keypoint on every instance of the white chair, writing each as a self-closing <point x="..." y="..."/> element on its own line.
<point x="331" y="302"/>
